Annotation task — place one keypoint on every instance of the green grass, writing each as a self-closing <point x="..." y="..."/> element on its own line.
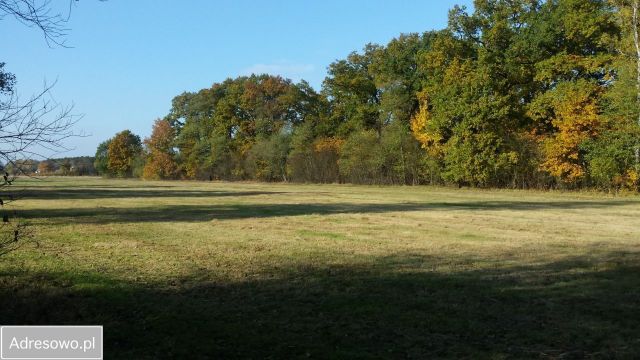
<point x="244" y="270"/>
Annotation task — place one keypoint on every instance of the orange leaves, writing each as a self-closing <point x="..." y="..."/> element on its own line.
<point x="328" y="145"/>
<point x="160" y="163"/>
<point x="162" y="136"/>
<point x="576" y="119"/>
<point x="630" y="179"/>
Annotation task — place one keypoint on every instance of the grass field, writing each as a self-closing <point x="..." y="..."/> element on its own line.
<point x="241" y="270"/>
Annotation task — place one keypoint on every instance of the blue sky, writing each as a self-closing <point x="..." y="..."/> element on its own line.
<point x="131" y="57"/>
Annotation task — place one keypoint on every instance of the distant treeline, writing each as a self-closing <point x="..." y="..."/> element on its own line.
<point x="528" y="94"/>
<point x="69" y="166"/>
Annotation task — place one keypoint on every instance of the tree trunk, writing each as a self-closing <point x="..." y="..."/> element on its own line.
<point x="404" y="166"/>
<point x="636" y="42"/>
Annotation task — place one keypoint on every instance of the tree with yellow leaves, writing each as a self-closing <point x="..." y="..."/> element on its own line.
<point x="574" y="118"/>
<point x="124" y="149"/>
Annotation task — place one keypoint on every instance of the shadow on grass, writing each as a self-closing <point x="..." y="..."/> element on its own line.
<point x="199" y="213"/>
<point x="394" y="309"/>
<point x="75" y="193"/>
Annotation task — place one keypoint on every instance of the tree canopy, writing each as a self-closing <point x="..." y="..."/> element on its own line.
<point x="512" y="94"/>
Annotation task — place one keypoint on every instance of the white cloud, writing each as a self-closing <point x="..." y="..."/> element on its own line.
<point x="285" y="69"/>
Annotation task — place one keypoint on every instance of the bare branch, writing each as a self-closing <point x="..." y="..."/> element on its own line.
<point x="40" y="15"/>
<point x="38" y="123"/>
<point x="29" y="127"/>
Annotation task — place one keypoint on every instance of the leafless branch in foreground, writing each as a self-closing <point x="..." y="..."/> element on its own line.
<point x="27" y="129"/>
<point x="39" y="14"/>
<point x="38" y="124"/>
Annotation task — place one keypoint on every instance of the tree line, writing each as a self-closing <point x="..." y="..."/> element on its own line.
<point x="67" y="166"/>
<point x="518" y="93"/>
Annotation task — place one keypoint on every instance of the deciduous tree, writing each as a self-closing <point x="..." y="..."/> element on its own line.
<point x="160" y="160"/>
<point x="123" y="151"/>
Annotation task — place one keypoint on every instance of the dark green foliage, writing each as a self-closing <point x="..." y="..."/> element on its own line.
<point x="217" y="127"/>
<point x="267" y="158"/>
<point x="398" y="77"/>
<point x="353" y="94"/>
<point x="361" y="158"/>
<point x="403" y="160"/>
<point x="611" y="159"/>
<point x="101" y="158"/>
<point x="7" y="80"/>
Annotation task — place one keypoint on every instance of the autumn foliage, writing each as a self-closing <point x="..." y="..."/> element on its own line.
<point x="123" y="150"/>
<point x="575" y="120"/>
<point x="531" y="94"/>
<point x="160" y="161"/>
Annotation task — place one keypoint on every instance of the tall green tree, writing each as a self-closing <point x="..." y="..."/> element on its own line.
<point x="101" y="162"/>
<point x="398" y="77"/>
<point x="353" y="94"/>
<point x="217" y="127"/>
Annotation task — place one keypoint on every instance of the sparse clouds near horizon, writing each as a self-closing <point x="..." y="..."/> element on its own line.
<point x="286" y="69"/>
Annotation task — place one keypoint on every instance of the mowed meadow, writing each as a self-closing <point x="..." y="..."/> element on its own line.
<point x="248" y="270"/>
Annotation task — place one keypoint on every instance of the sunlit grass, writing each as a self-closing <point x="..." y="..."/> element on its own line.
<point x="253" y="270"/>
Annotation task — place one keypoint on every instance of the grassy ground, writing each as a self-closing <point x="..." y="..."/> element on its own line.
<point x="210" y="270"/>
